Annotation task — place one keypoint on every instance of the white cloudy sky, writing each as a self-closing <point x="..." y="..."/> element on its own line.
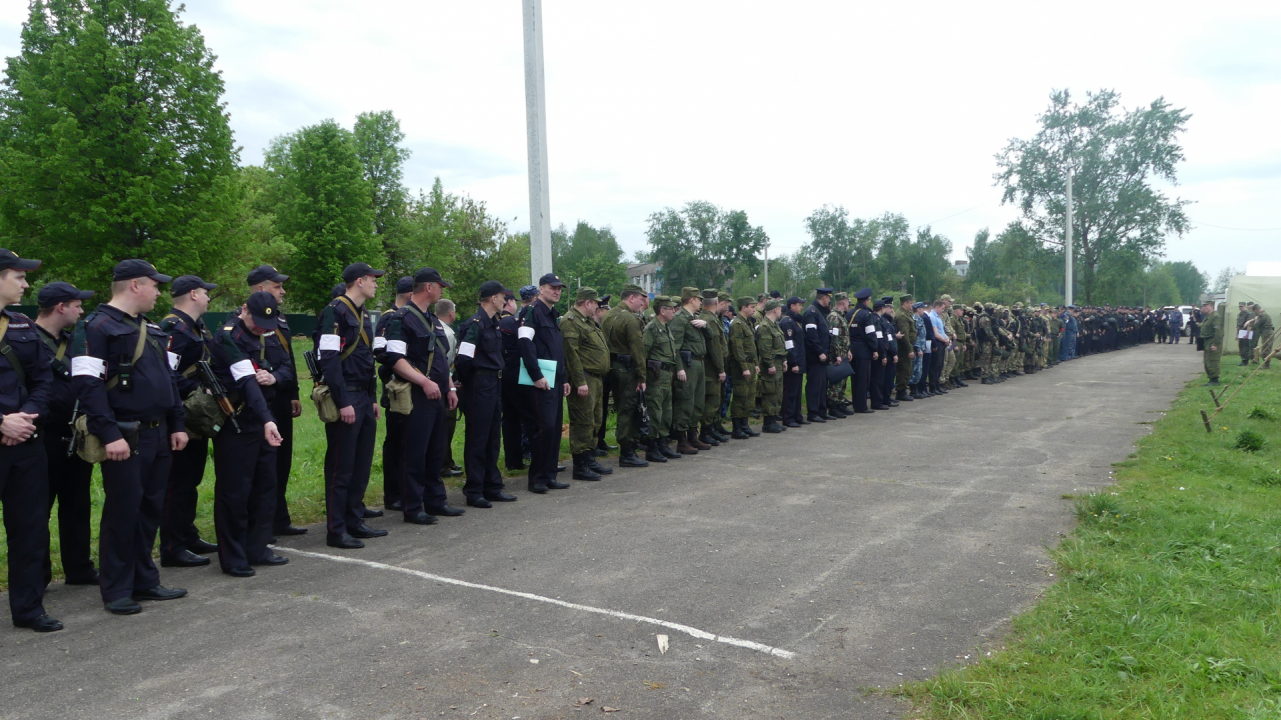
<point x="774" y="108"/>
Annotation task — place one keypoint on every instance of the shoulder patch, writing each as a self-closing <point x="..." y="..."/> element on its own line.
<point x="228" y="328"/>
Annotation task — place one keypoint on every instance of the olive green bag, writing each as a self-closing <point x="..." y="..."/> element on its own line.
<point x="204" y="416"/>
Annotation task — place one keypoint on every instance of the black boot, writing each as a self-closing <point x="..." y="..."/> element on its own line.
<point x="739" y="433"/>
<point x="747" y="428"/>
<point x="708" y="437"/>
<point x="582" y="471"/>
<point x="901" y="395"/>
<point x="652" y="453"/>
<point x="665" y="450"/>
<point x="595" y="465"/>
<point x="627" y="456"/>
<point x="771" y="425"/>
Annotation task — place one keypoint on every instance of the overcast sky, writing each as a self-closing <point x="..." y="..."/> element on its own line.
<point x="773" y="108"/>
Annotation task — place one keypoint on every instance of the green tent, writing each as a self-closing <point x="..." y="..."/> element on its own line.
<point x="1250" y="288"/>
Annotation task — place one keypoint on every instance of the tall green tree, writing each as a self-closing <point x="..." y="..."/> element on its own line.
<point x="114" y="142"/>
<point x="701" y="245"/>
<point x="324" y="209"/>
<point x="589" y="255"/>
<point x="378" y="140"/>
<point x="982" y="267"/>
<point x="1117" y="156"/>
<point x="1190" y="281"/>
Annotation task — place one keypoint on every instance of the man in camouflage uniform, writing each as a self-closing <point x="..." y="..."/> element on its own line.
<point x="962" y="342"/>
<point x="839" y="327"/>
<point x="623" y="333"/>
<point x="743" y="368"/>
<point x="660" y="363"/>
<point x="771" y="352"/>
<point x="586" y="363"/>
<point x="1263" y="331"/>
<point x="688" y="391"/>
<point x="1212" y="339"/>
<point x="905" y="323"/>
<point x="713" y="368"/>
<point x="1245" y="346"/>
<point x="985" y="327"/>
<point x="1055" y="324"/>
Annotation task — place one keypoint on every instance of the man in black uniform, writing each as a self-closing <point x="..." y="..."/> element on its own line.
<point x="864" y="347"/>
<point x="245" y="449"/>
<point x="394" y="433"/>
<point x="180" y="543"/>
<point x="480" y="371"/>
<point x="418" y="352"/>
<point x="793" y="382"/>
<point x="818" y="339"/>
<point x="515" y="444"/>
<point x="27" y="384"/>
<point x="125" y="383"/>
<point x="344" y="352"/>
<point x="285" y="406"/>
<point x="61" y="306"/>
<point x="542" y="404"/>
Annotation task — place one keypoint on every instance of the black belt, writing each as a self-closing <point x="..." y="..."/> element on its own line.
<point x="150" y="423"/>
<point x="698" y="357"/>
<point x="666" y="366"/>
<point x="361" y="387"/>
<point x="488" y="372"/>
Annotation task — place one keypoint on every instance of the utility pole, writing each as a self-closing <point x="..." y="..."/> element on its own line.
<point x="767" y="268"/>
<point x="540" y="222"/>
<point x="1067" y="243"/>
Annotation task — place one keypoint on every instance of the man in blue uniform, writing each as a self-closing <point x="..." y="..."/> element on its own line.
<point x="818" y="340"/>
<point x="865" y="347"/>
<point x="542" y="404"/>
<point x="480" y="371"/>
<point x="125" y="382"/>
<point x="394" y="433"/>
<point x="344" y="352"/>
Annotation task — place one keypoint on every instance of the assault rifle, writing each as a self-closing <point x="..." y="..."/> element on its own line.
<point x="217" y="390"/>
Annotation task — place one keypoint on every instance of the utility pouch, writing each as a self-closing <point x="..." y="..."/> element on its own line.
<point x="90" y="448"/>
<point x="625" y="360"/>
<point x="326" y="409"/>
<point x="399" y="395"/>
<point x="687" y="357"/>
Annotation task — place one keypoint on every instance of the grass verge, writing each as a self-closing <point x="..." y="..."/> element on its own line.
<point x="1169" y="604"/>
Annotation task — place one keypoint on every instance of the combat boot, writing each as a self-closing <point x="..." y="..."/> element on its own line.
<point x="901" y="395"/>
<point x="652" y="453"/>
<point x="595" y="465"/>
<point x="627" y="456"/>
<point x="581" y="470"/>
<point x="694" y="440"/>
<point x="771" y="425"/>
<point x="666" y="450"/>
<point x="683" y="445"/>
<point x="708" y="437"/>
<point x="747" y="428"/>
<point x="739" y="433"/>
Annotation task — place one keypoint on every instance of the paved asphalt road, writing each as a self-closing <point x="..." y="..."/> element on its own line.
<point x="864" y="552"/>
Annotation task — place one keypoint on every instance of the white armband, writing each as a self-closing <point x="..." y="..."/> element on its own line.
<point x="173" y="360"/>
<point x="811" y="326"/>
<point x="525" y="333"/>
<point x="869" y="329"/>
<point x="836" y="331"/>
<point x="788" y="344"/>
<point x="329" y="342"/>
<point x="242" y="369"/>
<point x="380" y="342"/>
<point x="88" y="366"/>
<point x="879" y="334"/>
<point x="397" y="347"/>
<point x="467" y="349"/>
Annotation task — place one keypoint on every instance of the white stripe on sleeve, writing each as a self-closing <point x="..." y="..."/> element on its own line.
<point x="525" y="333"/>
<point x="789" y="344"/>
<point x="88" y="366"/>
<point x="330" y="342"/>
<point x="244" y="368"/>
<point x="811" y="326"/>
<point x="836" y="331"/>
<point x="173" y="361"/>
<point x="467" y="349"/>
<point x="397" y="347"/>
<point x="869" y="329"/>
<point x="380" y="342"/>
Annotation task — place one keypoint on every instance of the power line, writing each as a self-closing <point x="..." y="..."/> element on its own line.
<point x="949" y="217"/>
<point x="1224" y="227"/>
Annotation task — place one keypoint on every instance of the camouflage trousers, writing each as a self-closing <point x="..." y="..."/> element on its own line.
<point x="687" y="397"/>
<point x="744" y="400"/>
<point x="585" y="415"/>
<point x="835" y="392"/>
<point x="712" y="389"/>
<point x="625" y="402"/>
<point x="986" y="365"/>
<point x="658" y="404"/>
<point x="949" y="363"/>
<point x="771" y="392"/>
<point x="1212" y="362"/>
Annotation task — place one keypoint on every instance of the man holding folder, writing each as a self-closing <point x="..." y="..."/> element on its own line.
<point x="542" y="356"/>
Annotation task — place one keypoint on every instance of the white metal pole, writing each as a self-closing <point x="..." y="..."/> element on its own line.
<point x="1067" y="244"/>
<point x="540" y="223"/>
<point x="766" y="268"/>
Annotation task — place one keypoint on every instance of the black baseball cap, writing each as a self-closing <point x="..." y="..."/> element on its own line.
<point x="428" y="274"/>
<point x="60" y="292"/>
<point x="264" y="309"/>
<point x="265" y="273"/>
<point x="404" y="285"/>
<point x="130" y="269"/>
<point x="9" y="259"/>
<point x="355" y="271"/>
<point x="793" y="300"/>
<point x="490" y="288"/>
<point x="550" y="279"/>
<point x="186" y="283"/>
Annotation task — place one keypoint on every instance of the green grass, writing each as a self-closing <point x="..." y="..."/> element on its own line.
<point x="1169" y="604"/>
<point x="306" y="494"/>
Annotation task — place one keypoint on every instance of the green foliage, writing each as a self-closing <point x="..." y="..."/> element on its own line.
<point x="701" y="245"/>
<point x="114" y="142"/>
<point x="324" y="209"/>
<point x="378" y="139"/>
<point x="1117" y="157"/>
<point x="1190" y="281"/>
<point x="1249" y="441"/>
<point x="1099" y="508"/>
<point x="1258" y="412"/>
<point x="590" y="256"/>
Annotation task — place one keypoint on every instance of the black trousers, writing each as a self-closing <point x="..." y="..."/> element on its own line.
<point x="425" y="438"/>
<point x="513" y="447"/>
<point x="394" y="457"/>
<point x="24" y="490"/>
<point x="542" y="414"/>
<point x="876" y="384"/>
<point x="244" y="496"/>
<point x="816" y="389"/>
<point x="862" y="381"/>
<point x="482" y="406"/>
<point x="888" y="374"/>
<point x="178" y="519"/>
<point x="283" y="412"/>
<point x="134" y="492"/>
<point x="936" y="367"/>
<point x="792" y="391"/>
<point x="349" y="457"/>
<point x="69" y="479"/>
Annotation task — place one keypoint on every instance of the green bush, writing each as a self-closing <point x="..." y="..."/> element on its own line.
<point x="1249" y="441"/>
<point x="1259" y="412"/>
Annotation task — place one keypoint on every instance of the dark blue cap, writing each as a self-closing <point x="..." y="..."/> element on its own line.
<point x="404" y="285"/>
<point x="130" y="269"/>
<point x="186" y="283"/>
<point x="264" y="309"/>
<point x="528" y="292"/>
<point x="550" y="279"/>
<point x="339" y="289"/>
<point x="863" y="294"/>
<point x="775" y="294"/>
<point x="793" y="300"/>
<point x="264" y="273"/>
<point x="878" y="305"/>
<point x="9" y="259"/>
<point x="824" y="291"/>
<point x="60" y="292"/>
<point x="427" y="274"/>
<point x="490" y="288"/>
<point x="355" y="271"/>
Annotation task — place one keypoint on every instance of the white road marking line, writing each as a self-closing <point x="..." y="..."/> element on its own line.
<point x="691" y="631"/>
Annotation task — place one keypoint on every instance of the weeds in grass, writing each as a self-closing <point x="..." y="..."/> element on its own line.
<point x="1258" y="412"/>
<point x="1249" y="441"/>
<point x="1099" y="508"/>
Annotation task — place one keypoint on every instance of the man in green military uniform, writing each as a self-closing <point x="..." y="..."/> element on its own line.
<point x="1245" y="346"/>
<point x="743" y="368"/>
<point x="713" y="368"/>
<point x="839" y="348"/>
<point x="623" y="333"/>
<point x="771" y="353"/>
<point x="1212" y="339"/>
<point x="1261" y="324"/>
<point x="688" y="391"/>
<point x="905" y="323"/>
<point x="586" y="362"/>
<point x="1055" y="324"/>
<point x="985" y="330"/>
<point x="660" y="363"/>
<point x="961" y="344"/>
